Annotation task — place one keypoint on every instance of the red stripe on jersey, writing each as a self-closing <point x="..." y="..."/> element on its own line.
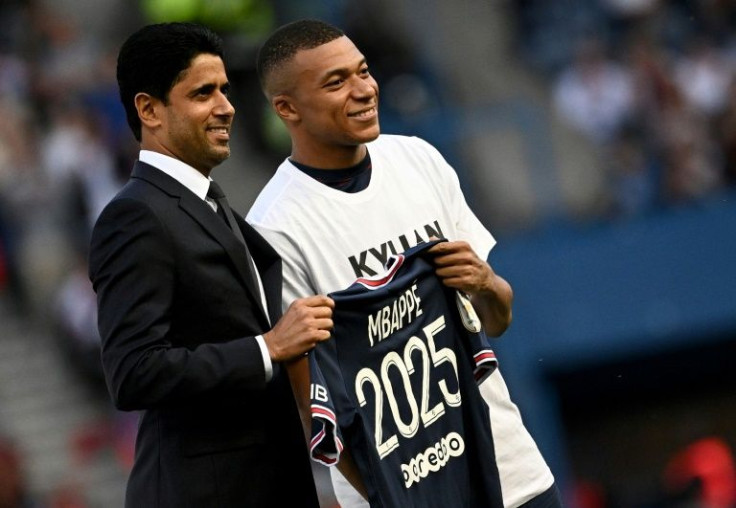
<point x="369" y="283"/>
<point x="321" y="411"/>
<point x="324" y="413"/>
<point x="484" y="356"/>
<point x="317" y="439"/>
<point x="485" y="364"/>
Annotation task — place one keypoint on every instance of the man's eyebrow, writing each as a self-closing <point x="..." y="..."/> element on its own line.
<point x="209" y="87"/>
<point x="341" y="71"/>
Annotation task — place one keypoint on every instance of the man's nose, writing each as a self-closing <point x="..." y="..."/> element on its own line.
<point x="364" y="87"/>
<point x="224" y="106"/>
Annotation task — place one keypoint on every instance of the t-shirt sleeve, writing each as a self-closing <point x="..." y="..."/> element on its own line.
<point x="468" y="226"/>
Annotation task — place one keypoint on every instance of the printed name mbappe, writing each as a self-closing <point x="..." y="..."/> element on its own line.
<point x="393" y="317"/>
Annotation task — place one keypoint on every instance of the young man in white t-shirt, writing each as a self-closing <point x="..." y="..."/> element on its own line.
<point x="347" y="198"/>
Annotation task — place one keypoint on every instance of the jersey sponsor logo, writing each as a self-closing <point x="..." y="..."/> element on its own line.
<point x="318" y="392"/>
<point x="432" y="459"/>
<point x="373" y="260"/>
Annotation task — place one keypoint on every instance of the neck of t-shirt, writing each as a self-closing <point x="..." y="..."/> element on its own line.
<point x="353" y="179"/>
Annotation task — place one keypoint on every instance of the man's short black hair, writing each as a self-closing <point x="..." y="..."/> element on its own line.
<point x="287" y="40"/>
<point x="152" y="59"/>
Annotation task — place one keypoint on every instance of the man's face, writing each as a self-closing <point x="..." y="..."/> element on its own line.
<point x="195" y="124"/>
<point x="334" y="95"/>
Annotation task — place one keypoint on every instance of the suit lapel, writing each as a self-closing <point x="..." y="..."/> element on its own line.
<point x="269" y="266"/>
<point x="213" y="225"/>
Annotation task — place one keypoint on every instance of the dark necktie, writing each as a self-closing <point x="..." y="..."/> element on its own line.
<point x="223" y="210"/>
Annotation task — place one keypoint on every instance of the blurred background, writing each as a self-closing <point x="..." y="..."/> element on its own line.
<point x="595" y="138"/>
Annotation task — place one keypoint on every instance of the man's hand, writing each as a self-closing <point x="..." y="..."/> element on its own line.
<point x="306" y="322"/>
<point x="460" y="268"/>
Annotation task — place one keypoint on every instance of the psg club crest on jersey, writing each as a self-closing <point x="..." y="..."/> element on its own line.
<point x="470" y="319"/>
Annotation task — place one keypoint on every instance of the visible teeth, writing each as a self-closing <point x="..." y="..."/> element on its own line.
<point x="364" y="113"/>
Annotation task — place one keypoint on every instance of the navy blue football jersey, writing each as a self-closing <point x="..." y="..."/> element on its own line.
<point x="397" y="385"/>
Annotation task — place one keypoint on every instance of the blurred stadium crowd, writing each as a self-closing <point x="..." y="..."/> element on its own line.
<point x="651" y="84"/>
<point x="64" y="150"/>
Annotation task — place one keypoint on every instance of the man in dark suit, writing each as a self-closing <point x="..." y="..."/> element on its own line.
<point x="189" y="309"/>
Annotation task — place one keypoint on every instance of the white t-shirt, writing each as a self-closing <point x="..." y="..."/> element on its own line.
<point x="327" y="238"/>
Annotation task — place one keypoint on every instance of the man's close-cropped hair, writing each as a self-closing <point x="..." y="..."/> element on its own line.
<point x="151" y="61"/>
<point x="285" y="42"/>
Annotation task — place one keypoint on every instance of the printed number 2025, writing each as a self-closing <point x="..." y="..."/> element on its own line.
<point x="405" y="367"/>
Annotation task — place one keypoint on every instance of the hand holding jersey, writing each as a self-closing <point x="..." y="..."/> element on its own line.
<point x="460" y="268"/>
<point x="305" y="323"/>
<point x="398" y="386"/>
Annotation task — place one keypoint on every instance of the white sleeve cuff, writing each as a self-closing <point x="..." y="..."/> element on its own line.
<point x="266" y="357"/>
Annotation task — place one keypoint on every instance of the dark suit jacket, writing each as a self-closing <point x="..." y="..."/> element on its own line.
<point x="178" y="316"/>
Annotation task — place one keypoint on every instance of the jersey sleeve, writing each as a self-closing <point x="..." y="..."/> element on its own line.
<point x="483" y="358"/>
<point x="326" y="440"/>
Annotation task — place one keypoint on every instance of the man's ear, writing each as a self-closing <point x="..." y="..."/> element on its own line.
<point x="148" y="110"/>
<point x="284" y="107"/>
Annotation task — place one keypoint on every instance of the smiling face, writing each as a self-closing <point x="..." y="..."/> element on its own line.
<point x="330" y="104"/>
<point x="194" y="124"/>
